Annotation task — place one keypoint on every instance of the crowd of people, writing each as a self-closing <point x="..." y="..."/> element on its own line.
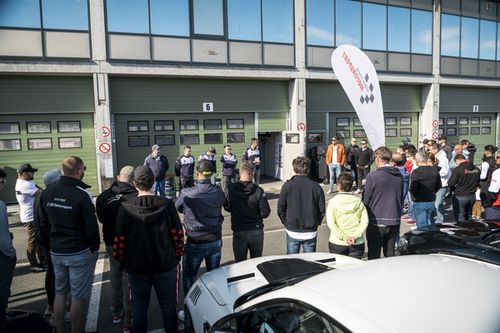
<point x="147" y="243"/>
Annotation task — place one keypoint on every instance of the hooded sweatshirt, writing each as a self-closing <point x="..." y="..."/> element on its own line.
<point x="464" y="179"/>
<point x="346" y="216"/>
<point x="248" y="205"/>
<point x="383" y="196"/>
<point x="149" y="237"/>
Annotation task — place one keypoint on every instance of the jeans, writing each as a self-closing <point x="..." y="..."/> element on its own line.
<point x="165" y="285"/>
<point x="354" y="173"/>
<point x="34" y="249"/>
<point x="7" y="264"/>
<point x="245" y="241"/>
<point x="422" y="213"/>
<point x="439" y="204"/>
<point x="462" y="207"/>
<point x="159" y="188"/>
<point x="225" y="181"/>
<point x="492" y="214"/>
<point x="120" y="291"/>
<point x="355" y="251"/>
<point x="381" y="237"/>
<point x="293" y="245"/>
<point x="362" y="173"/>
<point x="256" y="176"/>
<point x="335" y="170"/>
<point x="194" y="253"/>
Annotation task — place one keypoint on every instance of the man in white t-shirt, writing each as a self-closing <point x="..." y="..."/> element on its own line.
<point x="26" y="191"/>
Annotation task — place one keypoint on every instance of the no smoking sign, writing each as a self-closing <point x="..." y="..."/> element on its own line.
<point x="104" y="147"/>
<point x="301" y="127"/>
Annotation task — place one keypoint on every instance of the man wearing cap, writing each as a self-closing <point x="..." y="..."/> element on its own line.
<point x="201" y="206"/>
<point x="210" y="156"/>
<point x="159" y="165"/>
<point x="107" y="205"/>
<point x="445" y="146"/>
<point x="26" y="192"/>
<point x="406" y="141"/>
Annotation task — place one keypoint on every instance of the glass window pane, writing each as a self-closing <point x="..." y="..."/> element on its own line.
<point x="190" y="139"/>
<point x="69" y="126"/>
<point x="10" y="144"/>
<point x="170" y="17"/>
<point x="342" y="122"/>
<point x="374" y="27"/>
<point x="450" y="35"/>
<point x="405" y="121"/>
<point x="475" y="130"/>
<point x="41" y="143"/>
<point x="487" y="40"/>
<point x="399" y="29"/>
<point x="405" y="132"/>
<point x="38" y="127"/>
<point x="237" y="137"/>
<point x="23" y="14"/>
<point x="138" y="126"/>
<point x="165" y="140"/>
<point x="277" y="21"/>
<point x="9" y="128"/>
<point x="213" y="138"/>
<point x="243" y="19"/>
<point x="320" y="22"/>
<point x="138" y="141"/>
<point x="343" y="134"/>
<point x="315" y="137"/>
<point x="67" y="143"/>
<point x="391" y="132"/>
<point x="486" y="130"/>
<point x="188" y="124"/>
<point x="359" y="133"/>
<point x="208" y="17"/>
<point x="235" y="123"/>
<point x="421" y="31"/>
<point x="128" y="16"/>
<point x="164" y="125"/>
<point x="470" y="33"/>
<point x="348" y="22"/>
<point x="212" y="124"/>
<point x="391" y="121"/>
<point x="65" y="14"/>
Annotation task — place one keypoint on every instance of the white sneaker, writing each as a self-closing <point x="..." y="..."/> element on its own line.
<point x="329" y="191"/>
<point x="358" y="191"/>
<point x="181" y="315"/>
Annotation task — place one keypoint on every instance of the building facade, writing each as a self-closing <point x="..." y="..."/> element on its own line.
<point x="106" y="79"/>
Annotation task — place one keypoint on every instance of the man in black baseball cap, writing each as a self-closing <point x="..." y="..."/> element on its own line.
<point x="26" y="167"/>
<point x="445" y="146"/>
<point x="210" y="156"/>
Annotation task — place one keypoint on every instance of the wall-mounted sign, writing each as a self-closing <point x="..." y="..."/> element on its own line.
<point x="475" y="108"/>
<point x="208" y="107"/>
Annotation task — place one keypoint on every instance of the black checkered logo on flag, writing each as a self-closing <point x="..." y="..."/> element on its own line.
<point x="368" y="97"/>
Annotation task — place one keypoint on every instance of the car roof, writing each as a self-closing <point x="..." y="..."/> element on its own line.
<point x="418" y="293"/>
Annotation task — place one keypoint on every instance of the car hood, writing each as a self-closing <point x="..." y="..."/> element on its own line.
<point x="227" y="283"/>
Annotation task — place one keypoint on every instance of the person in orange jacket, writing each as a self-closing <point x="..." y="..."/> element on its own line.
<point x="335" y="159"/>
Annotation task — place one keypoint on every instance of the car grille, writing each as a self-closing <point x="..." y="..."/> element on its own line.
<point x="195" y="295"/>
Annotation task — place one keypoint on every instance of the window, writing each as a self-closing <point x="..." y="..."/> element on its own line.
<point x="67" y="143"/>
<point x="190" y="139"/>
<point x="213" y="138"/>
<point x="440" y="131"/>
<point x="236" y="137"/>
<point x="451" y="131"/>
<point x="165" y="140"/>
<point x="391" y="132"/>
<point x="128" y="16"/>
<point x="348" y="18"/>
<point x="10" y="144"/>
<point x="486" y="120"/>
<point x="314" y="137"/>
<point x="441" y="121"/>
<point x="38" y="127"/>
<point x="359" y="133"/>
<point x="138" y="141"/>
<point x="277" y="21"/>
<point x="463" y="121"/>
<point x="356" y="122"/>
<point x="487" y="40"/>
<point x="343" y="134"/>
<point x="244" y="19"/>
<point x="320" y="23"/>
<point x="235" y="123"/>
<point x="9" y="128"/>
<point x="186" y="125"/>
<point x="486" y="130"/>
<point x="208" y="17"/>
<point x="374" y="27"/>
<point x="164" y="125"/>
<point x="475" y="120"/>
<point x="475" y="131"/>
<point x="405" y="120"/>
<point x="292" y="138"/>
<point x="398" y="29"/>
<point x="421" y="31"/>
<point x="20" y="14"/>
<point x="470" y="33"/>
<point x="138" y="126"/>
<point x="65" y="14"/>
<point x="342" y="122"/>
<point x="405" y="132"/>
<point x="451" y="121"/>
<point x="39" y="143"/>
<point x="212" y="124"/>
<point x="169" y="17"/>
<point x="68" y="126"/>
<point x="391" y="121"/>
<point x="463" y="131"/>
<point x="450" y="35"/>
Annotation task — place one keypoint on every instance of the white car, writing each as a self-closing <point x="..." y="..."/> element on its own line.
<point x="321" y="292"/>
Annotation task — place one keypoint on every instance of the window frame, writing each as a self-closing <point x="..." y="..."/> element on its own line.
<point x="139" y="128"/>
<point x="183" y="136"/>
<point x="165" y="121"/>
<point x="138" y="136"/>
<point x="219" y="134"/>
<point x="13" y="139"/>
<point x="11" y="123"/>
<point x="234" y="119"/>
<point x="28" y="123"/>
<point x="235" y="133"/>
<point x="59" y="122"/>
<point x="219" y="128"/>
<point x="69" y="137"/>
<point x="44" y="138"/>
<point x="165" y="135"/>
<point x="181" y="121"/>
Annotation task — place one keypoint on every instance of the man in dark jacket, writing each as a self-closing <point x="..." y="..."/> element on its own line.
<point x="149" y="242"/>
<point x="67" y="217"/>
<point x="107" y="205"/>
<point x="364" y="159"/>
<point x="201" y="206"/>
<point x="249" y="207"/>
<point x="351" y="153"/>
<point x="464" y="182"/>
<point x="444" y="146"/>
<point x="184" y="168"/>
<point x="228" y="161"/>
<point x="159" y="165"/>
<point x="383" y="198"/>
<point x="301" y="208"/>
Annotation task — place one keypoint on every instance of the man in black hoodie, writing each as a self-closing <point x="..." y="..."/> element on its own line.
<point x="149" y="242"/>
<point x="463" y="182"/>
<point x="383" y="198"/>
<point x="249" y="207"/>
<point x="301" y="208"/>
<point x="107" y="205"/>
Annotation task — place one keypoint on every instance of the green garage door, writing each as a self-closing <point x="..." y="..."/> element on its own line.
<point x="136" y="133"/>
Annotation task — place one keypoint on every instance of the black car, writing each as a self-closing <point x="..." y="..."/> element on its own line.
<point x="475" y="240"/>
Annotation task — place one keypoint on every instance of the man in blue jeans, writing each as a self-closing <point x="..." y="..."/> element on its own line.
<point x="158" y="163"/>
<point x="301" y="208"/>
<point x="201" y="206"/>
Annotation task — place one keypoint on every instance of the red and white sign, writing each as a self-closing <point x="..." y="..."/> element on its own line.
<point x="104" y="147"/>
<point x="434" y="135"/>
<point x="301" y="127"/>
<point x="435" y="123"/>
<point x="105" y="131"/>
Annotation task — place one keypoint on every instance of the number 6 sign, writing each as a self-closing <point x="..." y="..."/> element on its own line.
<point x="208" y="107"/>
